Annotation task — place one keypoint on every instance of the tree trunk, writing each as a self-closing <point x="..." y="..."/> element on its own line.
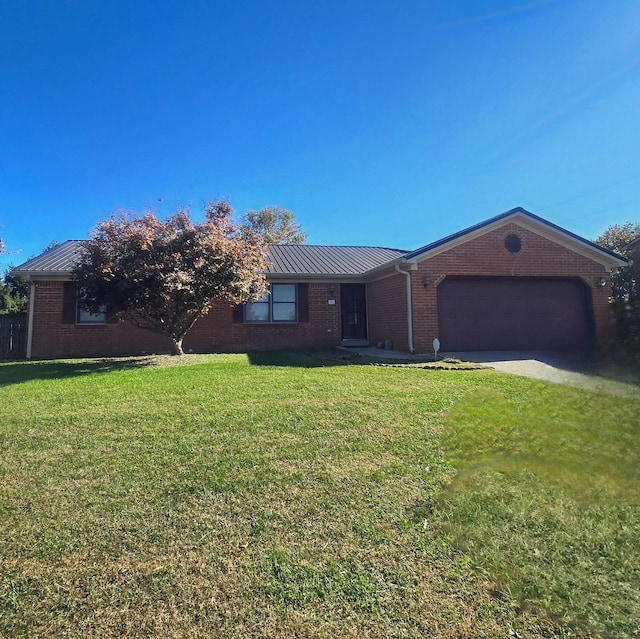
<point x="177" y="347"/>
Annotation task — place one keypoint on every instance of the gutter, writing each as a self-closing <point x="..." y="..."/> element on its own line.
<point x="32" y="304"/>
<point x="43" y="275"/>
<point x="383" y="267"/>
<point x="409" y="307"/>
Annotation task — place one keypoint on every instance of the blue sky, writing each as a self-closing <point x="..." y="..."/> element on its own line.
<point x="381" y="123"/>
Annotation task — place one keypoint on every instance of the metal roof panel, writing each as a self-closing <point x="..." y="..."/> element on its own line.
<point x="285" y="259"/>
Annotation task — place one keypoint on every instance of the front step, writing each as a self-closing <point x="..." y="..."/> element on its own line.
<point x="355" y="343"/>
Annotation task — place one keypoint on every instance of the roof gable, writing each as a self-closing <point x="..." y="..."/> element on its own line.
<point x="524" y="218"/>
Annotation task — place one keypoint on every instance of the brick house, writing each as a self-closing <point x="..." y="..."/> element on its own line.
<point x="513" y="282"/>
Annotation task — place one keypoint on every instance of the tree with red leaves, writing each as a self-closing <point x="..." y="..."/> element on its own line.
<point x="163" y="276"/>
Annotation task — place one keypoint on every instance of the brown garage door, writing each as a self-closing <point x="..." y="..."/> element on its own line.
<point x="510" y="313"/>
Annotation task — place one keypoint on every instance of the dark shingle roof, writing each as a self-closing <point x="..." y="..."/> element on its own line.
<point x="286" y="259"/>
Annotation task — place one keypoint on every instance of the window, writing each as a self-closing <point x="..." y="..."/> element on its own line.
<point x="72" y="311"/>
<point x="278" y="306"/>
<point x="85" y="317"/>
<point x="512" y="243"/>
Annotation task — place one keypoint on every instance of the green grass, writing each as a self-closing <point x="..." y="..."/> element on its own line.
<point x="306" y="495"/>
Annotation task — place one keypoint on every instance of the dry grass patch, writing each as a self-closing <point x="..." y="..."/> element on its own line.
<point x="446" y="364"/>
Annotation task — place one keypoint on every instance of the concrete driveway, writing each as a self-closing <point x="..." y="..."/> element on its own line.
<point x="556" y="368"/>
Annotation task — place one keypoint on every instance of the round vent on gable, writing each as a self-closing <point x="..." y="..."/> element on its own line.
<point x="512" y="243"/>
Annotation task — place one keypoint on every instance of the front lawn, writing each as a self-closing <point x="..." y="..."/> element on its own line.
<point x="311" y="495"/>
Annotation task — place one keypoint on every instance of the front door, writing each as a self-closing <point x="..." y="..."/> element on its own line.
<point x="353" y="300"/>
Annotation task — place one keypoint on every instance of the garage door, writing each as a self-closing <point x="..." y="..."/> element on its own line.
<point x="509" y="313"/>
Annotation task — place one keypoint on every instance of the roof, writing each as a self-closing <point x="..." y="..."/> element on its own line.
<point x="635" y="242"/>
<point x="56" y="261"/>
<point x="286" y="260"/>
<point x="309" y="261"/>
<point x="304" y="259"/>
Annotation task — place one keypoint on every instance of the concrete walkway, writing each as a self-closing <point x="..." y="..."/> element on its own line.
<point x="550" y="367"/>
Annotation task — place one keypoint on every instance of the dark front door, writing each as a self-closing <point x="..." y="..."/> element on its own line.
<point x="353" y="300"/>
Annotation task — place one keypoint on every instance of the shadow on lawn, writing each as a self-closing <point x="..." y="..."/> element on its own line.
<point x="26" y="371"/>
<point x="19" y="372"/>
<point x="306" y="359"/>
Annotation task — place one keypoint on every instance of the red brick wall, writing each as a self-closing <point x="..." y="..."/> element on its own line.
<point x="215" y="332"/>
<point x="487" y="256"/>
<point x="52" y="338"/>
<point x="387" y="311"/>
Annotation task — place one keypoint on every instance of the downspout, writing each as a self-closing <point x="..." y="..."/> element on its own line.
<point x="32" y="305"/>
<point x="409" y="307"/>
